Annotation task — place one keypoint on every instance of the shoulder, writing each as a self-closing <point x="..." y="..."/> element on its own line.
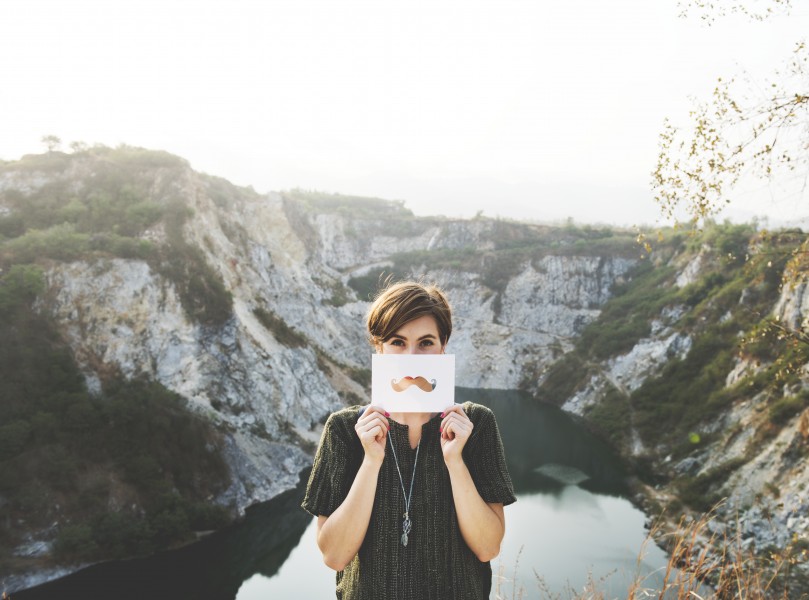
<point x="349" y="414"/>
<point x="341" y="423"/>
<point x="477" y="413"/>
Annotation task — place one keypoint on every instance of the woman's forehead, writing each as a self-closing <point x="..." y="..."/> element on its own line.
<point x="424" y="325"/>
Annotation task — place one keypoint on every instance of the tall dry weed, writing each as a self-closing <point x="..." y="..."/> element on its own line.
<point x="703" y="564"/>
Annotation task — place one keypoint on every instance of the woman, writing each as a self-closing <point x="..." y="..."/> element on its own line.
<point x="410" y="505"/>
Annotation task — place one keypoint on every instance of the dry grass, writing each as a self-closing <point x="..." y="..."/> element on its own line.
<point x="702" y="565"/>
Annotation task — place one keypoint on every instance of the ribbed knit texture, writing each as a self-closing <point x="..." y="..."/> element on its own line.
<point x="436" y="564"/>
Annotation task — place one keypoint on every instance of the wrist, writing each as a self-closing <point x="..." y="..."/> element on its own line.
<point x="454" y="462"/>
<point x="372" y="462"/>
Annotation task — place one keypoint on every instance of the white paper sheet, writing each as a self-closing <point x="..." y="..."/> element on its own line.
<point x="413" y="382"/>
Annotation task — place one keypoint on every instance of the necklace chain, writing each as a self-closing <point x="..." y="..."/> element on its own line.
<point x="407" y="524"/>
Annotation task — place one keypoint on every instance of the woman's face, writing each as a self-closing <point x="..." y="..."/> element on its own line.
<point x="419" y="336"/>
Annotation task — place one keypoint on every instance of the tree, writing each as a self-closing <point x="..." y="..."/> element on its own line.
<point x="744" y="130"/>
<point x="52" y="142"/>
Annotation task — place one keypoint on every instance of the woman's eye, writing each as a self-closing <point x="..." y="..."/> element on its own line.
<point x="397" y="343"/>
<point x="427" y="343"/>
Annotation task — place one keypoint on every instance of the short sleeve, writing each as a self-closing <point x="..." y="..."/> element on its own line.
<point x="329" y="481"/>
<point x="486" y="459"/>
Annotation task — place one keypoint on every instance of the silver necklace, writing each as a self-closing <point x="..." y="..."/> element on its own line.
<point x="407" y="524"/>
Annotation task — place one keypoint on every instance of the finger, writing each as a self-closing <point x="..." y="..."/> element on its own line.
<point x="374" y="421"/>
<point x="373" y="415"/>
<point x="454" y="425"/>
<point x="371" y="411"/>
<point x="373" y="431"/>
<point x="456" y="418"/>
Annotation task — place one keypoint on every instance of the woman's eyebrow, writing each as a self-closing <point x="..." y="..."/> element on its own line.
<point x="427" y="335"/>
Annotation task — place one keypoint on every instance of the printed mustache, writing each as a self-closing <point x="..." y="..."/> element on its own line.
<point x="406" y="382"/>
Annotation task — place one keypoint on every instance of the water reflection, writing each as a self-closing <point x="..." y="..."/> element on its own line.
<point x="545" y="447"/>
<point x="213" y="568"/>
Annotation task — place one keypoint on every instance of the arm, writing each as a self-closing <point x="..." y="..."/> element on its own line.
<point x="482" y="524"/>
<point x="340" y="535"/>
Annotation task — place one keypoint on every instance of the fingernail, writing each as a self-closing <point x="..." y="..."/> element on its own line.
<point x="442" y="415"/>
<point x="387" y="414"/>
<point x="441" y="429"/>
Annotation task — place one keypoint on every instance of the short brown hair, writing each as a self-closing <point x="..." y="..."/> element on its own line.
<point x="399" y="303"/>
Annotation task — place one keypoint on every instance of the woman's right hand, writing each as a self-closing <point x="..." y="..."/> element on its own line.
<point x="372" y="429"/>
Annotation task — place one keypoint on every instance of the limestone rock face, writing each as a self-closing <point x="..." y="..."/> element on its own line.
<point x="792" y="307"/>
<point x="277" y="257"/>
<point x="542" y="309"/>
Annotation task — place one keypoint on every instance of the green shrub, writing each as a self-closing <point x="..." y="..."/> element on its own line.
<point x="784" y="409"/>
<point x="613" y="416"/>
<point x="60" y="242"/>
<point x="626" y="318"/>
<point x="56" y="435"/>
<point x="669" y="407"/>
<point x="11" y="226"/>
<point x="701" y="492"/>
<point x="15" y="436"/>
<point x="19" y="287"/>
<point x="564" y="377"/>
<point x="280" y="330"/>
<point x="75" y="542"/>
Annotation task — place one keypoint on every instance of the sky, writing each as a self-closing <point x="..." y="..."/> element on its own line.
<point x="523" y="109"/>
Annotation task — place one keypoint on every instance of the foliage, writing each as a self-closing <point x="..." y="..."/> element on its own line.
<point x="202" y="292"/>
<point x="52" y="142"/>
<point x="755" y="10"/>
<point x="564" y="377"/>
<point x="71" y="454"/>
<point x="355" y="207"/>
<point x="724" y="313"/>
<point x="279" y="328"/>
<point x="701" y="492"/>
<point x="746" y="130"/>
<point x="732" y="135"/>
<point x="19" y="288"/>
<point x="626" y="317"/>
<point x="786" y="408"/>
<point x="613" y="415"/>
<point x="106" y="212"/>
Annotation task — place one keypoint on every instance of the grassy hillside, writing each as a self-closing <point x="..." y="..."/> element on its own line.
<point x="102" y="202"/>
<point x="726" y="314"/>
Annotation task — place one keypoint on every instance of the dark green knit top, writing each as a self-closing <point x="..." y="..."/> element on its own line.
<point x="436" y="564"/>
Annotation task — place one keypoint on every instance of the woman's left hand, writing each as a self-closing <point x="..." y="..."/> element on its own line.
<point x="455" y="431"/>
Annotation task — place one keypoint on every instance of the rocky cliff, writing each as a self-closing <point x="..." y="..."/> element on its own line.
<point x="266" y="338"/>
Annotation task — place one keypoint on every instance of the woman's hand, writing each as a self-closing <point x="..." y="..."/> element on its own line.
<point x="455" y="431"/>
<point x="372" y="429"/>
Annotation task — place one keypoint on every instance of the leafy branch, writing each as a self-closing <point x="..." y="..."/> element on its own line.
<point x="734" y="135"/>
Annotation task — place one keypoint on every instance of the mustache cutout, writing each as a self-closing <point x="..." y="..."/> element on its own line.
<point x="406" y="382"/>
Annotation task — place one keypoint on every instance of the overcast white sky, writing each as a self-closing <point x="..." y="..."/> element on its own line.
<point x="520" y="108"/>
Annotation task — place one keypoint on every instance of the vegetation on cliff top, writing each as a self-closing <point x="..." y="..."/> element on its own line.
<point x="103" y="202"/>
